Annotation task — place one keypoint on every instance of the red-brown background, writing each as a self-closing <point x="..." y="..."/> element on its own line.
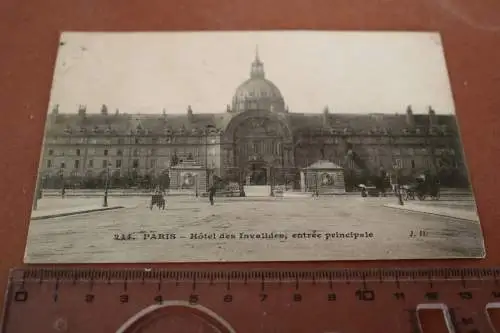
<point x="29" y="35"/>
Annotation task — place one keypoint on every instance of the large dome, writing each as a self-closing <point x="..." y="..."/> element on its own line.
<point x="258" y="93"/>
<point x="259" y="88"/>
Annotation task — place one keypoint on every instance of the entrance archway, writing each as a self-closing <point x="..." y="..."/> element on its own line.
<point x="257" y="142"/>
<point x="257" y="173"/>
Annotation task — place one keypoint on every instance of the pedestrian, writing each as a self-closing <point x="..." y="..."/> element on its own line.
<point x="211" y="194"/>
<point x="164" y="195"/>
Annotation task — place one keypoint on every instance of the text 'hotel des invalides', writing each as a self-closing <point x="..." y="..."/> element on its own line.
<point x="256" y="141"/>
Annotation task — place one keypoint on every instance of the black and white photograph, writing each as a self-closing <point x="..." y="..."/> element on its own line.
<point x="252" y="146"/>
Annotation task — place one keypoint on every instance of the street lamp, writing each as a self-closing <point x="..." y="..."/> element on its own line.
<point x="61" y="175"/>
<point x="106" y="186"/>
<point x="272" y="174"/>
<point x="397" y="168"/>
<point x="196" y="182"/>
<point x="316" y="181"/>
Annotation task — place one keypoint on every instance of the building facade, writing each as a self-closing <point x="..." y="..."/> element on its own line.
<point x="256" y="140"/>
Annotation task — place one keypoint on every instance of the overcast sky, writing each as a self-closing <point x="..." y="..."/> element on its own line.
<point x="351" y="72"/>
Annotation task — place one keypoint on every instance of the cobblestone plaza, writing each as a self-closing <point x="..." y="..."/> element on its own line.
<point x="237" y="229"/>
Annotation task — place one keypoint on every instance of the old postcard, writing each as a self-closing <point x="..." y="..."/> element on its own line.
<point x="252" y="146"/>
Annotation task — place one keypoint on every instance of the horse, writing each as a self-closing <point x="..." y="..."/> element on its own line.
<point x="157" y="200"/>
<point x="423" y="188"/>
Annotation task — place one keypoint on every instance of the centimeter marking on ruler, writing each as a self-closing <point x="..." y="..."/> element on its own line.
<point x="295" y="278"/>
<point x="336" y="275"/>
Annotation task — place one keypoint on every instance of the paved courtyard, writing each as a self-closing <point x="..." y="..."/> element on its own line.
<point x="235" y="229"/>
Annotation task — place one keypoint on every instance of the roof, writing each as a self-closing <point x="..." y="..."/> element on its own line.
<point x="310" y="124"/>
<point x="125" y="124"/>
<point x="301" y="124"/>
<point x="324" y="164"/>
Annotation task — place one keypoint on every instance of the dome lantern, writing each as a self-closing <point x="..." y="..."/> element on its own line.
<point x="258" y="93"/>
<point x="257" y="66"/>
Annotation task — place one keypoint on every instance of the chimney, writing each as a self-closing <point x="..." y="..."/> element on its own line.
<point x="326" y="112"/>
<point x="432" y="117"/>
<point x="55" y="110"/>
<point x="82" y="110"/>
<point x="190" y="113"/>
<point x="410" y="119"/>
<point x="104" y="110"/>
<point x="228" y="108"/>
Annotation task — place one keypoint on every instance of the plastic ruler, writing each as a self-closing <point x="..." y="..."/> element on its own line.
<point x="268" y="301"/>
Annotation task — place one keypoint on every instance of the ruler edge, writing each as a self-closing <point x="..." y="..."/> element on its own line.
<point x="7" y="299"/>
<point x="19" y="274"/>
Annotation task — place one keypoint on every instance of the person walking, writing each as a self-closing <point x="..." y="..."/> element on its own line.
<point x="211" y="194"/>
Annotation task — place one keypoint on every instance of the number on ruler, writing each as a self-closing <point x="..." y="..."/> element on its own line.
<point x="124" y="298"/>
<point x="399" y="296"/>
<point x="297" y="297"/>
<point x="158" y="299"/>
<point x="365" y="295"/>
<point x="193" y="299"/>
<point x="89" y="298"/>
<point x="332" y="297"/>
<point x="263" y="297"/>
<point x="432" y="295"/>
<point x="495" y="294"/>
<point x="21" y="296"/>
<point x="228" y="298"/>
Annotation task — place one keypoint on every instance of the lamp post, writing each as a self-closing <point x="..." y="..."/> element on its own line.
<point x="106" y="186"/>
<point x="397" y="169"/>
<point x="316" y="181"/>
<point x="61" y="175"/>
<point x="272" y="174"/>
<point x="196" y="182"/>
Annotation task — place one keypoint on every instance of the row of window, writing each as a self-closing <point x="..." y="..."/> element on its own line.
<point x="78" y="152"/>
<point x="135" y="152"/>
<point x="135" y="140"/>
<point x="405" y="163"/>
<point x="104" y="164"/>
<point x="259" y="93"/>
<point x="400" y="163"/>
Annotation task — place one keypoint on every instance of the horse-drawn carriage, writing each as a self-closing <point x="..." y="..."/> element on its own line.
<point x="158" y="200"/>
<point x="421" y="189"/>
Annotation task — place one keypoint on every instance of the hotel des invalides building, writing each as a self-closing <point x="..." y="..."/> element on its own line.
<point x="256" y="141"/>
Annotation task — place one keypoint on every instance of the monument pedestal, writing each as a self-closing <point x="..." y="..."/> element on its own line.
<point x="323" y="177"/>
<point x="257" y="190"/>
<point x="189" y="175"/>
